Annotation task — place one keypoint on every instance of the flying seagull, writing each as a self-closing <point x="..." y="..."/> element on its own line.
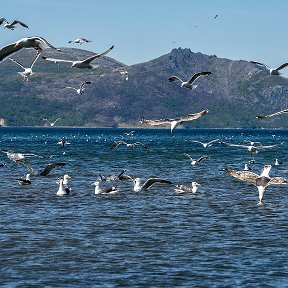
<point x="27" y="71"/>
<point x="51" y="123"/>
<point x="195" y="161"/>
<point x="129" y="145"/>
<point x="273" y="114"/>
<point x="261" y="181"/>
<point x="184" y="189"/>
<point x="38" y="43"/>
<point x="250" y="148"/>
<point x="272" y="71"/>
<point x="174" y="122"/>
<point x="12" y="25"/>
<point x="189" y="84"/>
<point x="79" y="41"/>
<point x="138" y="187"/>
<point x="86" y="63"/>
<point x="108" y="190"/>
<point x="18" y="156"/>
<point x="81" y="88"/>
<point x="207" y="144"/>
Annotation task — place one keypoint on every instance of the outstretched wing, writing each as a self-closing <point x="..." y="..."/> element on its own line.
<point x="116" y="143"/>
<point x="278" y="181"/>
<point x="213" y="141"/>
<point x="35" y="59"/>
<point x="198" y="74"/>
<point x="152" y="181"/>
<point x="144" y="146"/>
<point x="57" y="60"/>
<point x="195" y="116"/>
<point x="260" y="63"/>
<point x="243" y="175"/>
<point x="202" y="158"/>
<point x="90" y="59"/>
<point x="173" y="78"/>
<point x="19" y="22"/>
<point x="282" y="66"/>
<point x="234" y="145"/>
<point x="189" y="156"/>
<point x="8" y="50"/>
<point x="267" y="146"/>
<point x="273" y="114"/>
<point x="82" y="84"/>
<point x="16" y="62"/>
<point x="50" y="167"/>
<point x="156" y="122"/>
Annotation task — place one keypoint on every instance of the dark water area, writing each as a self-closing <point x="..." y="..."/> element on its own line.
<point x="218" y="237"/>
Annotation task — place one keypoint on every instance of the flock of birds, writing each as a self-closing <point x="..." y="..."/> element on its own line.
<point x="261" y="181"/>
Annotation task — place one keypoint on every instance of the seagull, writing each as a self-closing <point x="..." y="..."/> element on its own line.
<point x="36" y="42"/>
<point x="129" y="133"/>
<point x="261" y="181"/>
<point x="114" y="177"/>
<point x="52" y="124"/>
<point x="25" y="181"/>
<point x="129" y="145"/>
<point x="2" y="165"/>
<point x="66" y="178"/>
<point x="273" y="114"/>
<point x="247" y="167"/>
<point x="206" y="145"/>
<point x="63" y="142"/>
<point x="272" y="71"/>
<point x="174" y="122"/>
<point x="27" y="71"/>
<point x="216" y="16"/>
<point x="277" y="162"/>
<point x="185" y="189"/>
<point x="81" y="88"/>
<point x="62" y="191"/>
<point x="18" y="156"/>
<point x="250" y="148"/>
<point x="108" y="190"/>
<point x="86" y="63"/>
<point x="79" y="41"/>
<point x="195" y="161"/>
<point x="11" y="25"/>
<point x="189" y="84"/>
<point x="138" y="187"/>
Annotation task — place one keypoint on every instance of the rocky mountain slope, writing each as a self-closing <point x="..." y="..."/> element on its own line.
<point x="234" y="94"/>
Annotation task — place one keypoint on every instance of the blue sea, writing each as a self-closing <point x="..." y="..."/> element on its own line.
<point x="218" y="237"/>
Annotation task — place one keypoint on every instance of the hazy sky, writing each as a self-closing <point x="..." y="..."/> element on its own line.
<point x="142" y="30"/>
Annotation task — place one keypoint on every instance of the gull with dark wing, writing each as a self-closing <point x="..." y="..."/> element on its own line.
<point x="195" y="161"/>
<point x="62" y="190"/>
<point x="174" y="122"/>
<point x="50" y="167"/>
<point x="272" y="71"/>
<point x="86" y="63"/>
<point x="25" y="181"/>
<point x="207" y="144"/>
<point x="13" y="24"/>
<point x="52" y="124"/>
<point x="184" y="189"/>
<point x="81" y="88"/>
<point x="250" y="148"/>
<point x="261" y="181"/>
<point x="129" y="145"/>
<point x="273" y="114"/>
<point x="107" y="190"/>
<point x="148" y="183"/>
<point x="63" y="142"/>
<point x="27" y="71"/>
<point x="79" y="41"/>
<point x="189" y="84"/>
<point x="36" y="42"/>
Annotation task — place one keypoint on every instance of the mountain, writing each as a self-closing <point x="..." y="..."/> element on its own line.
<point x="234" y="94"/>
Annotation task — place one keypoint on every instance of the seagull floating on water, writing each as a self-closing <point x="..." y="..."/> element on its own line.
<point x="273" y="114"/>
<point x="108" y="190"/>
<point x="261" y="181"/>
<point x="86" y="63"/>
<point x="184" y="189"/>
<point x="195" y="161"/>
<point x="176" y="121"/>
<point x="27" y="71"/>
<point x="207" y="144"/>
<point x="62" y="191"/>
<point x="63" y="142"/>
<point x="13" y="24"/>
<point x="81" y="89"/>
<point x="36" y="42"/>
<point x="148" y="183"/>
<point x="129" y="145"/>
<point x="26" y="181"/>
<point x="189" y="84"/>
<point x="272" y="71"/>
<point x="79" y="41"/>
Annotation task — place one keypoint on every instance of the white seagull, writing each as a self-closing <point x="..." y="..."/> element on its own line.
<point x="27" y="71"/>
<point x="174" y="122"/>
<point x="273" y="114"/>
<point x="195" y="161"/>
<point x="86" y="63"/>
<point x="18" y="156"/>
<point x="108" y="190"/>
<point x="62" y="191"/>
<point x="66" y="178"/>
<point x="129" y="145"/>
<point x="79" y="41"/>
<point x="207" y="144"/>
<point x="261" y="181"/>
<point x="51" y="123"/>
<point x="26" y="181"/>
<point x="81" y="88"/>
<point x="12" y="25"/>
<point x="189" y="84"/>
<point x="184" y="189"/>
<point x="36" y="42"/>
<point x="272" y="71"/>
<point x="138" y="187"/>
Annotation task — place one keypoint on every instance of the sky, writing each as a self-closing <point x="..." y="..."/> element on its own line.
<point x="142" y="30"/>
